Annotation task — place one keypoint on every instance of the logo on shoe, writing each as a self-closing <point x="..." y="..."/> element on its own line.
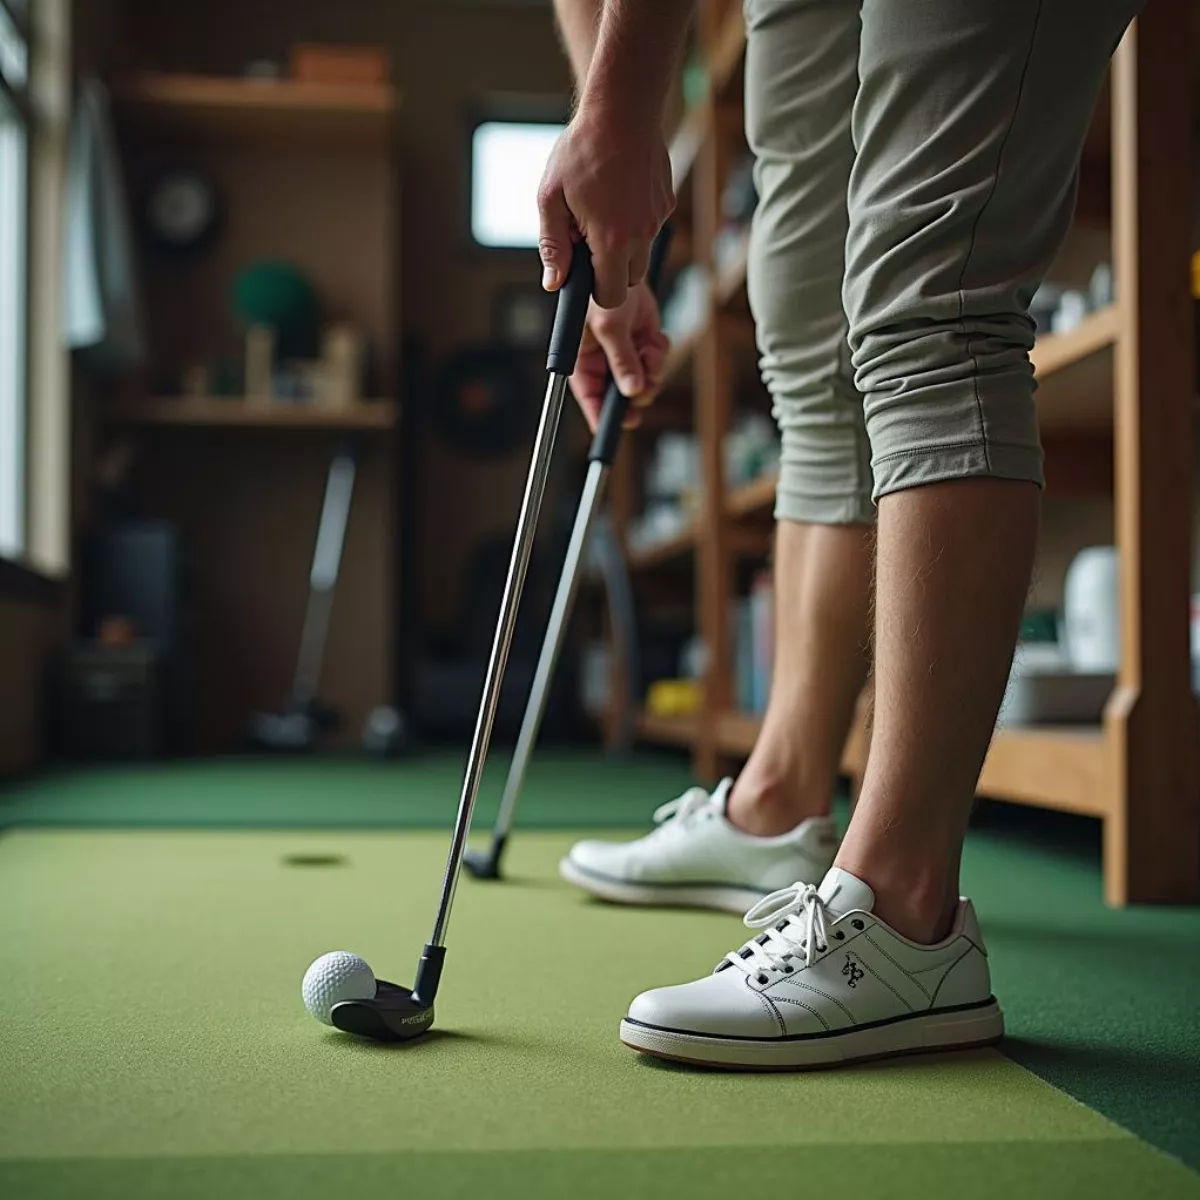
<point x="852" y="971"/>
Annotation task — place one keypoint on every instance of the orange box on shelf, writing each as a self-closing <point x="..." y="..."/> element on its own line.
<point x="315" y="63"/>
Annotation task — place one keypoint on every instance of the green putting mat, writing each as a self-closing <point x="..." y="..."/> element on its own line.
<point x="563" y="790"/>
<point x="154" y="1044"/>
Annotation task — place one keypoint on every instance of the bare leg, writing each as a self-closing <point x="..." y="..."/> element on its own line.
<point x="953" y="570"/>
<point x="822" y="603"/>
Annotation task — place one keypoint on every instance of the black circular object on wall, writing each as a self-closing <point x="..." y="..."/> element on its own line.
<point x="482" y="402"/>
<point x="181" y="210"/>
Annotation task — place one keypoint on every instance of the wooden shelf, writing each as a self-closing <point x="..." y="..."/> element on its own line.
<point x="730" y="283"/>
<point x="232" y="412"/>
<point x="1075" y="375"/>
<point x="233" y="109"/>
<point x="667" y="731"/>
<point x="679" y="360"/>
<point x="754" y="498"/>
<point x="662" y="552"/>
<point x="1060" y="767"/>
<point x="687" y="144"/>
<point x="727" y="53"/>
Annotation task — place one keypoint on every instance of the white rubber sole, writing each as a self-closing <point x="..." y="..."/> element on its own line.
<point x="953" y="1029"/>
<point x="726" y="899"/>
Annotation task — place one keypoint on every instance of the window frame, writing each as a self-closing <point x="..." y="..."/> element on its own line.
<point x="18" y="578"/>
<point x="519" y="109"/>
<point x="18" y="100"/>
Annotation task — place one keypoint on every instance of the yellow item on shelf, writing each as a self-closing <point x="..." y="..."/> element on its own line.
<point x="673" y="698"/>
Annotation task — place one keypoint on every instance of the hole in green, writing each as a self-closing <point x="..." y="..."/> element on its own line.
<point x="314" y="860"/>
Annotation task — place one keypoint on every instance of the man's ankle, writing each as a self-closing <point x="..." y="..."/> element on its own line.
<point x="767" y="804"/>
<point x="919" y="904"/>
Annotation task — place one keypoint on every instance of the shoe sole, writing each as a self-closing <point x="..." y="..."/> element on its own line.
<point x="958" y="1029"/>
<point x="725" y="899"/>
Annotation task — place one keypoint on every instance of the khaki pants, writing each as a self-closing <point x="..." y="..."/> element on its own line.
<point x="917" y="163"/>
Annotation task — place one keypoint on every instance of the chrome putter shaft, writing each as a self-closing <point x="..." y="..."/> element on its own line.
<point x="486" y="864"/>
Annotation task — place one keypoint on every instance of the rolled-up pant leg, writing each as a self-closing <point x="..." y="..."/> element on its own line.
<point x="801" y="80"/>
<point x="968" y="125"/>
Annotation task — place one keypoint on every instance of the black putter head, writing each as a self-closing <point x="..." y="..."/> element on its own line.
<point x="393" y="1015"/>
<point x="483" y="865"/>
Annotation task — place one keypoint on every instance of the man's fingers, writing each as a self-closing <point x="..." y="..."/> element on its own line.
<point x="654" y="357"/>
<point x="623" y="358"/>
<point x="554" y="242"/>
<point x="639" y="260"/>
<point x="611" y="267"/>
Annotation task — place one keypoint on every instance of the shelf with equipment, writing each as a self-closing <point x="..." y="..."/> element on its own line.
<point x="286" y="297"/>
<point x="235" y="412"/>
<point x="229" y="109"/>
<point x="1115" y="392"/>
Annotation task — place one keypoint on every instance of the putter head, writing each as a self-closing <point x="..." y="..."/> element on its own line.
<point x="483" y="865"/>
<point x="393" y="1015"/>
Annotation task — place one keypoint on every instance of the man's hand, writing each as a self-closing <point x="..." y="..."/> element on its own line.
<point x="608" y="180"/>
<point x="628" y="339"/>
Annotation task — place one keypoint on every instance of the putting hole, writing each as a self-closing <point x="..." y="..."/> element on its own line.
<point x="314" y="860"/>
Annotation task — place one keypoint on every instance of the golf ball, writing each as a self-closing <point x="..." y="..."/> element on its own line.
<point x="334" y="977"/>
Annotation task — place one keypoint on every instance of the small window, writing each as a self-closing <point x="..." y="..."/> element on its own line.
<point x="507" y="162"/>
<point x="14" y="297"/>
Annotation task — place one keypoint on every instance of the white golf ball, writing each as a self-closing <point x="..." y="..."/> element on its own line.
<point x="334" y="977"/>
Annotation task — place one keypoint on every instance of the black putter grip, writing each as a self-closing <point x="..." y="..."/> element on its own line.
<point x="612" y="414"/>
<point x="571" y="314"/>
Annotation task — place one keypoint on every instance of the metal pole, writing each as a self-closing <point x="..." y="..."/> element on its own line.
<point x="535" y="488"/>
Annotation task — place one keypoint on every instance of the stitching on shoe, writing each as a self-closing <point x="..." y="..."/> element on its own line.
<point x="876" y="975"/>
<point x="949" y="970"/>
<point x="903" y="971"/>
<point x="937" y="966"/>
<point x="808" y="1008"/>
<point x="771" y="1009"/>
<point x="809" y="987"/>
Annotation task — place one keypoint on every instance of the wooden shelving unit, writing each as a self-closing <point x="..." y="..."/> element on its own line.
<point x="306" y="174"/>
<point x="239" y="413"/>
<point x="1121" y="379"/>
<point x="213" y="108"/>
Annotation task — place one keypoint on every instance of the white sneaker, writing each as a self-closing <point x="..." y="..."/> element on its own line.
<point x="827" y="983"/>
<point x="697" y="859"/>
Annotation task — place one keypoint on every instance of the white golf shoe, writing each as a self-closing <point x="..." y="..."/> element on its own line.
<point x="826" y="983"/>
<point x="697" y="859"/>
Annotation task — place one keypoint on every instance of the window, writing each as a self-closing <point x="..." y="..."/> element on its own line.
<point x="14" y="278"/>
<point x="507" y="161"/>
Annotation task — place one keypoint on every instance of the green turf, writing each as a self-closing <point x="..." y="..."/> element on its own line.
<point x="154" y="1044"/>
<point x="563" y="790"/>
<point x="1099" y="1003"/>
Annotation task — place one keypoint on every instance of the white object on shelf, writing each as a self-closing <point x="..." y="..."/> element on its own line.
<point x="1091" y="619"/>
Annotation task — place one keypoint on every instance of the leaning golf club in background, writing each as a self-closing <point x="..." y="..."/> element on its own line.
<point x="486" y="864"/>
<point x="397" y="1013"/>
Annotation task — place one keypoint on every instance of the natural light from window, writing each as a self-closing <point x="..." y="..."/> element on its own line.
<point x="507" y="161"/>
<point x="12" y="332"/>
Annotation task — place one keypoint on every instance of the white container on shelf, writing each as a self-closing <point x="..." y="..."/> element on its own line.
<point x="1091" y="618"/>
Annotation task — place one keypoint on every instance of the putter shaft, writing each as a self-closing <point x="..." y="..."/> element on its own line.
<point x="535" y="488"/>
<point x="564" y="602"/>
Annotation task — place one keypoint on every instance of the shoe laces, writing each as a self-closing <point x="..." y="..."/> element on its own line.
<point x="683" y="810"/>
<point x="795" y="920"/>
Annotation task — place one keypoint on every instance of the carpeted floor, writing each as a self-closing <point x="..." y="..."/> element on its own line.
<point x="149" y="988"/>
<point x="155" y="1045"/>
<point x="564" y="790"/>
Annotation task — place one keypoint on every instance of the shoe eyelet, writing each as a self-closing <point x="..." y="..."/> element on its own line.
<point x="839" y="935"/>
<point x="789" y="970"/>
<point x="761" y="979"/>
<point x="857" y="923"/>
<point x="822" y="949"/>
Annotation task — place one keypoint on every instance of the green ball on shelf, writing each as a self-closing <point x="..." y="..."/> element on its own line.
<point x="277" y="295"/>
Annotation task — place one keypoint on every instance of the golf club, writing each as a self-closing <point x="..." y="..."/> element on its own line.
<point x="397" y="1013"/>
<point x="486" y="864"/>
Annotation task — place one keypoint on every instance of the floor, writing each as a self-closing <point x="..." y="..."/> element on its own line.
<point x="154" y="1041"/>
